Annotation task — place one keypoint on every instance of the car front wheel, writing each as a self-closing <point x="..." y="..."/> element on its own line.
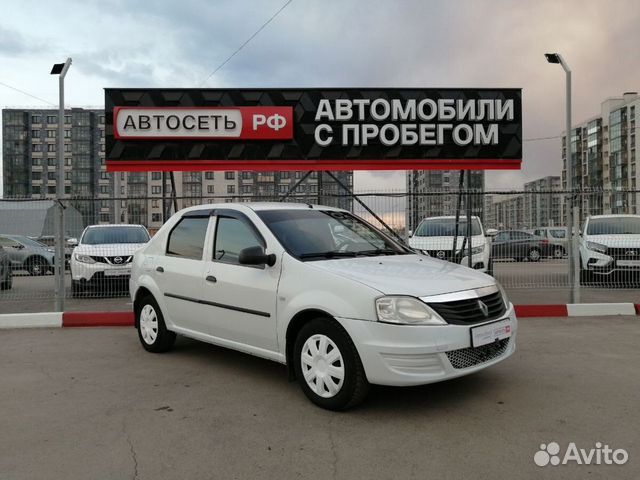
<point x="152" y="331"/>
<point x="328" y="366"/>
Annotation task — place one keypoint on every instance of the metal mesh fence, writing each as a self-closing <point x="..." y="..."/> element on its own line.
<point x="520" y="238"/>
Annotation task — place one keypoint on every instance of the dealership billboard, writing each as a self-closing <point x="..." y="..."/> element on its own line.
<point x="313" y="129"/>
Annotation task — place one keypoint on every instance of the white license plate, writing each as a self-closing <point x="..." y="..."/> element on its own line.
<point x="629" y="263"/>
<point x="490" y="332"/>
<point x="120" y="272"/>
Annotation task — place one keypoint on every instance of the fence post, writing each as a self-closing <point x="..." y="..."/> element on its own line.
<point x="575" y="284"/>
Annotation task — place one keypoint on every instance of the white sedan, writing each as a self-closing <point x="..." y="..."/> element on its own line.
<point x="320" y="290"/>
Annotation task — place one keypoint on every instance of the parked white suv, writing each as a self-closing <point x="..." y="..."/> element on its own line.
<point x="316" y="288"/>
<point x="435" y="236"/>
<point x="610" y="244"/>
<point x="102" y="258"/>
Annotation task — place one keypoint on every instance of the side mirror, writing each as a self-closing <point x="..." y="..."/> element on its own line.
<point x="491" y="232"/>
<point x="72" y="242"/>
<point x="256" y="256"/>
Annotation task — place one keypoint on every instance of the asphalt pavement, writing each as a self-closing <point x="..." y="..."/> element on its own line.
<point x="92" y="404"/>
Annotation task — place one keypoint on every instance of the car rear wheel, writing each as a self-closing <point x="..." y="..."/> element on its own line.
<point x="328" y="366"/>
<point x="152" y="331"/>
<point x="36" y="266"/>
<point x="558" y="252"/>
<point x="7" y="284"/>
<point x="534" y="255"/>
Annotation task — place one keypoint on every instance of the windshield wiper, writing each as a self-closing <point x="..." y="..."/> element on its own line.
<point x="379" y="251"/>
<point x="330" y="254"/>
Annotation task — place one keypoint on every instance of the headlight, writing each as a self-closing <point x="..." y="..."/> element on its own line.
<point x="477" y="250"/>
<point x="597" y="247"/>
<point x="406" y="311"/>
<point x="504" y="294"/>
<point x="84" y="258"/>
<point x="424" y="252"/>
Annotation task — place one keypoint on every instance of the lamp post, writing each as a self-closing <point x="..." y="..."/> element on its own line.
<point x="574" y="273"/>
<point x="60" y="69"/>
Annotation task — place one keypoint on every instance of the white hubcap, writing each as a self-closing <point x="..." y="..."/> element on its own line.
<point x="148" y="324"/>
<point x="322" y="365"/>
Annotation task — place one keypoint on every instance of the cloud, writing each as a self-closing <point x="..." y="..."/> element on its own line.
<point x="411" y="43"/>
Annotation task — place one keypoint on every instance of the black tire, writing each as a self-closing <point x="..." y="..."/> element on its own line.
<point x="76" y="289"/>
<point x="7" y="284"/>
<point x="164" y="339"/>
<point x="558" y="252"/>
<point x="585" y="277"/>
<point x="354" y="386"/>
<point x="534" y="255"/>
<point x="37" y="266"/>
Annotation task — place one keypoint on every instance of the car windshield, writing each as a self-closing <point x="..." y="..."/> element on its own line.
<point x="100" y="235"/>
<point x="27" y="242"/>
<point x="445" y="227"/>
<point x="614" y="226"/>
<point x="321" y="234"/>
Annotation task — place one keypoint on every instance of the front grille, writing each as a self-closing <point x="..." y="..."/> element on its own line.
<point x="112" y="260"/>
<point x="632" y="253"/>
<point x="468" y="311"/>
<point x="469" y="357"/>
<point x="443" y="254"/>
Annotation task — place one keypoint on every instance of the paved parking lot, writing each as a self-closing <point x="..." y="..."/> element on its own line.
<point x="527" y="283"/>
<point x="90" y="403"/>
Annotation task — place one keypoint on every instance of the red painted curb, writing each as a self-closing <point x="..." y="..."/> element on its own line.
<point x="97" y="319"/>
<point x="541" y="310"/>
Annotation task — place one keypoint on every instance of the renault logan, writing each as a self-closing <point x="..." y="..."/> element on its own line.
<point x="316" y="288"/>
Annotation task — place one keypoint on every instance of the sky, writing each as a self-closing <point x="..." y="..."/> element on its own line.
<point x="333" y="43"/>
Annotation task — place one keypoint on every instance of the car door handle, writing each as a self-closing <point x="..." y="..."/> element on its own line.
<point x="159" y="269"/>
<point x="211" y="278"/>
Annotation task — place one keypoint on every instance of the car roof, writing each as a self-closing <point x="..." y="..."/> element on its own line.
<point x="115" y="225"/>
<point x="461" y="217"/>
<point x="616" y="215"/>
<point x="261" y="206"/>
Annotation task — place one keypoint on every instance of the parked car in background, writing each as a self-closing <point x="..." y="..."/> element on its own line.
<point x="6" y="274"/>
<point x="342" y="304"/>
<point x="557" y="237"/>
<point x="69" y="244"/>
<point x="610" y="244"/>
<point x="435" y="237"/>
<point x="27" y="254"/>
<point x="102" y="259"/>
<point x="519" y="245"/>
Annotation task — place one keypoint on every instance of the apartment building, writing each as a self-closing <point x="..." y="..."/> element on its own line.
<point x="29" y="171"/>
<point x="429" y="194"/>
<point x="543" y="202"/>
<point x="605" y="159"/>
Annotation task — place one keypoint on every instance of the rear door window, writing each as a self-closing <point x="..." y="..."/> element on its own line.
<point x="187" y="238"/>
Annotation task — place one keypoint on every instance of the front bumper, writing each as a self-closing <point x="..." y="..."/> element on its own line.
<point x="602" y="264"/>
<point x="99" y="272"/>
<point x="403" y="355"/>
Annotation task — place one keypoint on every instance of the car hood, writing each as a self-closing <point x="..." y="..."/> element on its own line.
<point x="415" y="275"/>
<point x="443" y="243"/>
<point x="108" y="249"/>
<point x="615" y="241"/>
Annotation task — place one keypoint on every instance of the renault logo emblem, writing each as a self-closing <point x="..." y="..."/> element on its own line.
<point x="631" y="253"/>
<point x="483" y="308"/>
<point x="117" y="260"/>
<point x="440" y="254"/>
